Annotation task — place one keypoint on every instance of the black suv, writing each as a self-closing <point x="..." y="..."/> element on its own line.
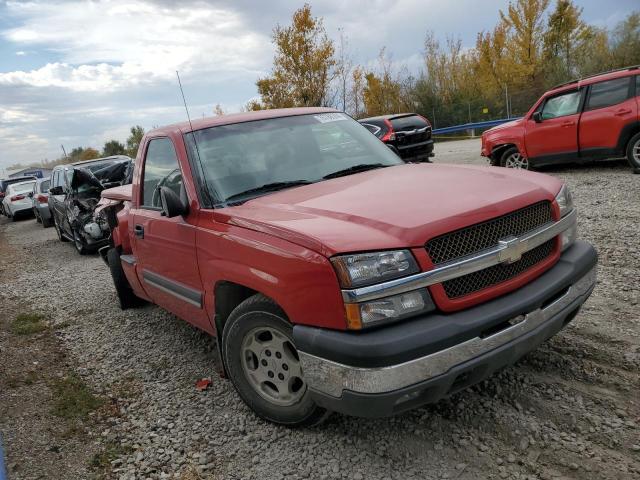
<point x="3" y="188"/>
<point x="407" y="134"/>
<point x="74" y="194"/>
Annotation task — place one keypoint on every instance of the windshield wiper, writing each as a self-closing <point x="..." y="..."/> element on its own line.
<point x="363" y="167"/>
<point x="268" y="187"/>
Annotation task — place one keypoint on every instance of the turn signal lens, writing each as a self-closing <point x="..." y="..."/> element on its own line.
<point x="388" y="309"/>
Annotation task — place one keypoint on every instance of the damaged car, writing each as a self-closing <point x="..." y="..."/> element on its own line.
<point x="75" y="193"/>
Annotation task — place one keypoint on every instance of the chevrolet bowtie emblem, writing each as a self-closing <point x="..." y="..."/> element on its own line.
<point x="511" y="249"/>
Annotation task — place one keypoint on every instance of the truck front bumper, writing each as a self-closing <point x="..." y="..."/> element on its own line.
<point x="389" y="370"/>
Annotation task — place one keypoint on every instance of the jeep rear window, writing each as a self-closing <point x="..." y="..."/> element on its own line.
<point x="409" y="122"/>
<point x="238" y="157"/>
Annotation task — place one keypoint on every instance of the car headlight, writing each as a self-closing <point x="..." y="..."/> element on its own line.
<point x="565" y="201"/>
<point x="388" y="309"/>
<point x="362" y="269"/>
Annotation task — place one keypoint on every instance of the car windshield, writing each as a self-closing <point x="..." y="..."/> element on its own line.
<point x="282" y="152"/>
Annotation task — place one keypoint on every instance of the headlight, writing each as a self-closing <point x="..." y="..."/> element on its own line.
<point x="388" y="309"/>
<point x="362" y="269"/>
<point x="565" y="201"/>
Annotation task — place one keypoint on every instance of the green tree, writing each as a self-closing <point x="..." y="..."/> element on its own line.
<point x="303" y="64"/>
<point x="89" y="154"/>
<point x="566" y="34"/>
<point x="134" y="139"/>
<point x="113" y="147"/>
<point x="625" y="42"/>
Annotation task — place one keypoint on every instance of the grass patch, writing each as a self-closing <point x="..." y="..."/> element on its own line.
<point x="28" y="323"/>
<point x="112" y="450"/>
<point x="73" y="399"/>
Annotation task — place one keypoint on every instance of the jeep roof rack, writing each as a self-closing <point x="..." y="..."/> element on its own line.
<point x="635" y="67"/>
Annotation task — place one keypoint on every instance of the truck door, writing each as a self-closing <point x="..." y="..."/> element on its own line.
<point x="555" y="137"/>
<point x="164" y="248"/>
<point x="609" y="107"/>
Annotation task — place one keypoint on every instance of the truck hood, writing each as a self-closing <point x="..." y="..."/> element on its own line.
<point x="394" y="207"/>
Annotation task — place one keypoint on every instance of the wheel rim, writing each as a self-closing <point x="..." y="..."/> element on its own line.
<point x="636" y="152"/>
<point x="515" y="160"/>
<point x="272" y="367"/>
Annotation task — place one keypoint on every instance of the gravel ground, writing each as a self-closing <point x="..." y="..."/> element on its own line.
<point x="570" y="409"/>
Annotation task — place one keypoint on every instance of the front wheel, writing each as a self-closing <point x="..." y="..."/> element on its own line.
<point x="126" y="297"/>
<point x="633" y="152"/>
<point x="78" y="242"/>
<point x="61" y="237"/>
<point x="512" y="158"/>
<point x="263" y="364"/>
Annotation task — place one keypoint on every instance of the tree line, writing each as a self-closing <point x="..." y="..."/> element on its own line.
<point x="78" y="154"/>
<point x="530" y="49"/>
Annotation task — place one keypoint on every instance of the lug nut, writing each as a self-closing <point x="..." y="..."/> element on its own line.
<point x="267" y="353"/>
<point x="278" y="355"/>
<point x="270" y="373"/>
<point x="281" y="376"/>
<point x="285" y="367"/>
<point x="264" y="362"/>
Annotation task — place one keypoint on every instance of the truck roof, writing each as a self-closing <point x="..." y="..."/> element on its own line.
<point x="201" y="123"/>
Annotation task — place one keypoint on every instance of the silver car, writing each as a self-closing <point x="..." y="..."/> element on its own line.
<point x="16" y="201"/>
<point x="40" y="202"/>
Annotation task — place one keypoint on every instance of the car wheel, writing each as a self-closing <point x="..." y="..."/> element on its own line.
<point x="35" y="213"/>
<point x="61" y="237"/>
<point x="512" y="158"/>
<point x="263" y="364"/>
<point x="633" y="152"/>
<point x="79" y="243"/>
<point x="126" y="297"/>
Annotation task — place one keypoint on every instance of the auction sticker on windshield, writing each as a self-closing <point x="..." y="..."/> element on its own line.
<point x="330" y="117"/>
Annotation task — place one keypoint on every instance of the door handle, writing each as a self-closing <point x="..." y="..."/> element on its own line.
<point x="568" y="124"/>
<point x="138" y="230"/>
<point x="622" y="111"/>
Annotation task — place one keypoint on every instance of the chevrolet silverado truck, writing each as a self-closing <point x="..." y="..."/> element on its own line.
<point x="581" y="121"/>
<point x="332" y="275"/>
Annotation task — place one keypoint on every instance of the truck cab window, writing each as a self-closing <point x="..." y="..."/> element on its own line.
<point x="160" y="170"/>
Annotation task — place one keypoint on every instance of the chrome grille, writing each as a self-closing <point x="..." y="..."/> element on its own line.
<point x="480" y="236"/>
<point x="473" y="239"/>
<point x="461" y="286"/>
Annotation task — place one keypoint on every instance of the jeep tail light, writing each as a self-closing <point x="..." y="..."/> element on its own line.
<point x="391" y="134"/>
<point x="42" y="198"/>
<point x="16" y="198"/>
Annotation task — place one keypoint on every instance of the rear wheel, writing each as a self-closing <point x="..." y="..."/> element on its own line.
<point x="512" y="158"/>
<point x="263" y="364"/>
<point x="633" y="152"/>
<point x="126" y="297"/>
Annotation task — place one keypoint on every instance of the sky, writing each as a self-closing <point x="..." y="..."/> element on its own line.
<point x="79" y="73"/>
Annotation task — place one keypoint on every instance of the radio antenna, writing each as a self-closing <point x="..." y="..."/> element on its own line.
<point x="193" y="135"/>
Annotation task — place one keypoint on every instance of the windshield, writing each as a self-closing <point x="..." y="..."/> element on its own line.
<point x="97" y="166"/>
<point x="306" y="148"/>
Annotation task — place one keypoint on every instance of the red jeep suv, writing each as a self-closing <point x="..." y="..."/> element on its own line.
<point x="584" y="120"/>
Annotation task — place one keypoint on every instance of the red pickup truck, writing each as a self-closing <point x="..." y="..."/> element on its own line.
<point x="332" y="275"/>
<point x="594" y="118"/>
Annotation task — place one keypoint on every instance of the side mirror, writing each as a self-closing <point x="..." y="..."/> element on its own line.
<point x="537" y="117"/>
<point x="30" y="195"/>
<point x="56" y="190"/>
<point x="172" y="204"/>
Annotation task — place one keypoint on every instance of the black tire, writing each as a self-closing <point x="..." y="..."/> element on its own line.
<point x="633" y="152"/>
<point x="35" y="214"/>
<point x="61" y="237"/>
<point x="126" y="297"/>
<point x="81" y="247"/>
<point x="505" y="160"/>
<point x="260" y="311"/>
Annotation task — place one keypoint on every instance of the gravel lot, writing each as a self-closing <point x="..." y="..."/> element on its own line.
<point x="571" y="409"/>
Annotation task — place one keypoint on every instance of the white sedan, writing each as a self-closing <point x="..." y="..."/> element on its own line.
<point x="17" y="201"/>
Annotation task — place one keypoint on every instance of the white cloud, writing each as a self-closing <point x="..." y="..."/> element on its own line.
<point x="106" y="46"/>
